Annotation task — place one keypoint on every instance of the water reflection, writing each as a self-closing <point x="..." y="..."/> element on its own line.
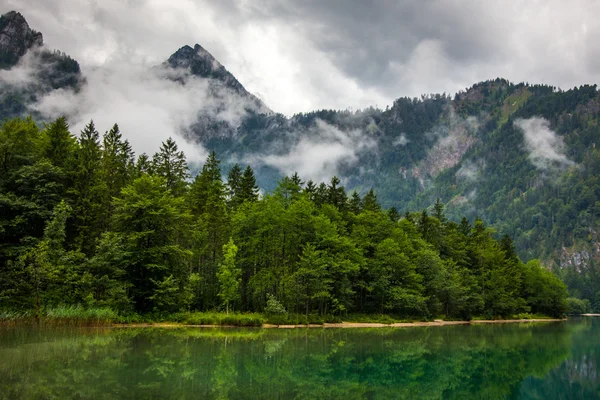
<point x="553" y="360"/>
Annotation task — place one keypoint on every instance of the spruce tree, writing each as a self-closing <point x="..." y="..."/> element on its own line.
<point x="170" y="163"/>
<point x="249" y="189"/>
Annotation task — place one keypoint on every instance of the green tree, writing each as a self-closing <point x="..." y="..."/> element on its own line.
<point x="58" y="143"/>
<point x="170" y="163"/>
<point x="311" y="278"/>
<point x="234" y="186"/>
<point x="153" y="223"/>
<point x="229" y="275"/>
<point x="88" y="188"/>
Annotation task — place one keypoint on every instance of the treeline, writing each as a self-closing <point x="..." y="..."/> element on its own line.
<point x="83" y="221"/>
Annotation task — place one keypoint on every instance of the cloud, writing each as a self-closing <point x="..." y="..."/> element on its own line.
<point x="401" y="140"/>
<point x="545" y="147"/>
<point x="22" y="76"/>
<point x="317" y="154"/>
<point x="305" y="55"/>
<point x="468" y="171"/>
<point x="148" y="107"/>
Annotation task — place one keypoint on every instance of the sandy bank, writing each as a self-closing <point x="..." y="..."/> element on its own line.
<point x="346" y="324"/>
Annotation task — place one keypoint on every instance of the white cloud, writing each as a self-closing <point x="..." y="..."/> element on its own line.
<point x="22" y="76"/>
<point x="147" y="107"/>
<point x="546" y="148"/>
<point x="318" y="153"/>
<point x="401" y="140"/>
<point x="468" y="171"/>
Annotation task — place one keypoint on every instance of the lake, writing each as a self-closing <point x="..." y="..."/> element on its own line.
<point x="557" y="360"/>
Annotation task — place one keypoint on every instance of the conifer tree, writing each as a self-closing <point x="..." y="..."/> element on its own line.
<point x="370" y="202"/>
<point x="355" y="203"/>
<point x="170" y="163"/>
<point x="249" y="189"/>
<point x="234" y="186"/>
<point x="336" y="195"/>
<point x="59" y="144"/>
<point x="88" y="188"/>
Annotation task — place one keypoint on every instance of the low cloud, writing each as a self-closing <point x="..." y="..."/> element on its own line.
<point x="21" y="76"/>
<point x="546" y="149"/>
<point x="468" y="171"/>
<point x="149" y="104"/>
<point x="319" y="153"/>
<point x="401" y="140"/>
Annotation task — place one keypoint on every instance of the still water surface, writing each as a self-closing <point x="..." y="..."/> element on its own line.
<point x="520" y="361"/>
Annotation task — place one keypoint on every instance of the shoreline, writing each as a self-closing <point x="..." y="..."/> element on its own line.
<point x="342" y="324"/>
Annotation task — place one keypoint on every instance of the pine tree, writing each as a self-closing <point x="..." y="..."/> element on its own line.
<point x="208" y="182"/>
<point x="370" y="202"/>
<point x="234" y="186"/>
<point x="170" y="163"/>
<point x="207" y="197"/>
<point x="336" y="195"/>
<point x="355" y="203"/>
<point x="59" y="144"/>
<point x="117" y="170"/>
<point x="249" y="188"/>
<point x="438" y="211"/>
<point x="143" y="165"/>
<point x="310" y="189"/>
<point x="89" y="188"/>
<point x="393" y="214"/>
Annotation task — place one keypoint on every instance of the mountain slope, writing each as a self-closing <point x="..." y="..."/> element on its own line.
<point x="30" y="70"/>
<point x="521" y="156"/>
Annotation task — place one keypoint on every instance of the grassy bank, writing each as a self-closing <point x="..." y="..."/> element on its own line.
<point x="61" y="316"/>
<point x="80" y="316"/>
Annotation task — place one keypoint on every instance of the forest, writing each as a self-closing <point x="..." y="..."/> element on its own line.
<point x="86" y="223"/>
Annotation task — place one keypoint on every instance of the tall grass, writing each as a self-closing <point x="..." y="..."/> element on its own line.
<point x="220" y="319"/>
<point x="62" y="315"/>
<point x="8" y="316"/>
<point x="79" y="316"/>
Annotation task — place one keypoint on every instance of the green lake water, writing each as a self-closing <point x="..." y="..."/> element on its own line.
<point x="521" y="361"/>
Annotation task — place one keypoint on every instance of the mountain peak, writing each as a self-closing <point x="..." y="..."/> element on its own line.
<point x="199" y="62"/>
<point x="16" y="37"/>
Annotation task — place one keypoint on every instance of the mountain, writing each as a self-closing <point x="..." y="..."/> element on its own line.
<point x="16" y="38"/>
<point x="224" y="93"/>
<point x="41" y="71"/>
<point x="521" y="156"/>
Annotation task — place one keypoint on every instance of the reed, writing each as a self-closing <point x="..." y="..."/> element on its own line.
<point x="61" y="316"/>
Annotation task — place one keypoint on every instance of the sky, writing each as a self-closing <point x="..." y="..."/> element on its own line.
<point x="304" y="55"/>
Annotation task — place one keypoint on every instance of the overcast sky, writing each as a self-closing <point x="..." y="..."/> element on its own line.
<point x="300" y="55"/>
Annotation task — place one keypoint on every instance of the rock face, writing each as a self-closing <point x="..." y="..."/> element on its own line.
<point x="44" y="70"/>
<point x="16" y="37"/>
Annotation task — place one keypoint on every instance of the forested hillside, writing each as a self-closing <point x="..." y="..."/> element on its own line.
<point x="521" y="157"/>
<point x="85" y="222"/>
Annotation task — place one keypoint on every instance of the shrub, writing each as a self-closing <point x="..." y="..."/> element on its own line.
<point x="274" y="307"/>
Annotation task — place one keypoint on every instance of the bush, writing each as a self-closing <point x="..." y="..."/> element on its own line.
<point x="578" y="306"/>
<point x="274" y="307"/>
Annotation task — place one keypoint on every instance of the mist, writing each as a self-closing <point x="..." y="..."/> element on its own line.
<point x="546" y="149"/>
<point x="317" y="154"/>
<point x="147" y="103"/>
